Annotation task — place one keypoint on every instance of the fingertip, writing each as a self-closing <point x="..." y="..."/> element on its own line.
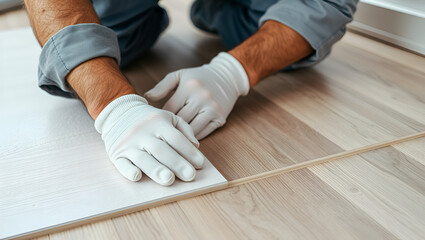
<point x="200" y="161"/>
<point x="197" y="159"/>
<point x="195" y="142"/>
<point x="137" y="176"/>
<point x="147" y="94"/>
<point x="133" y="174"/>
<point x="128" y="170"/>
<point x="187" y="131"/>
<point x="191" y="137"/>
<point x="201" y="136"/>
<point x="200" y="122"/>
<point x="166" y="177"/>
<point x="188" y="174"/>
<point x="152" y="95"/>
<point x="163" y="87"/>
<point x="211" y="127"/>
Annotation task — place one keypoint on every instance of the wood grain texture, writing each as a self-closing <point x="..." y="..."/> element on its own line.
<point x="333" y="157"/>
<point x="414" y="149"/>
<point x="387" y="184"/>
<point x="376" y="195"/>
<point x="47" y="237"/>
<point x="297" y="205"/>
<point x="100" y="230"/>
<point x="374" y="47"/>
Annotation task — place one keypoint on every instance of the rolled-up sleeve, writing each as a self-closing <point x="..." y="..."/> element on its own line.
<point x="70" y="47"/>
<point x="320" y="22"/>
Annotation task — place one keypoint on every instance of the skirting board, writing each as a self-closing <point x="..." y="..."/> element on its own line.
<point x="54" y="171"/>
<point x="400" y="27"/>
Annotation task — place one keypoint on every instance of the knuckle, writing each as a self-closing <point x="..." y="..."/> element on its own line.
<point x="170" y="137"/>
<point x="214" y="113"/>
<point x="218" y="122"/>
<point x="161" y="116"/>
<point x="206" y="94"/>
<point x="155" y="148"/>
<point x="193" y="83"/>
<point x="215" y="106"/>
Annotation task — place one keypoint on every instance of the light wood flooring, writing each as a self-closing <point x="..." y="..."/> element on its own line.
<point x="336" y="151"/>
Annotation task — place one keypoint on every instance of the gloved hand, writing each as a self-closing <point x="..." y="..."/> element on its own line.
<point x="140" y="138"/>
<point x="205" y="95"/>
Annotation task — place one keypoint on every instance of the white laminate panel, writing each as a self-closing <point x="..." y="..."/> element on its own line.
<point x="53" y="167"/>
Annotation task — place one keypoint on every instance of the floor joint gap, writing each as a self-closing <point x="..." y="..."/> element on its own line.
<point x="321" y="160"/>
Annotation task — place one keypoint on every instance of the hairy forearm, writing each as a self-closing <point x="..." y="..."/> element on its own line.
<point x="49" y="16"/>
<point x="273" y="47"/>
<point x="97" y="81"/>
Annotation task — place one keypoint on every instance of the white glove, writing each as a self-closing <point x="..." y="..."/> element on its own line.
<point x="205" y="95"/>
<point x="140" y="138"/>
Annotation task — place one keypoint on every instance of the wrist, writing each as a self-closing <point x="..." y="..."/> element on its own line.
<point x="97" y="104"/>
<point x="98" y="82"/>
<point x="117" y="109"/>
<point x="233" y="72"/>
<point x="252" y="74"/>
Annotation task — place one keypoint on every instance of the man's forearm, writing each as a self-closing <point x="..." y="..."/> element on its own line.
<point x="49" y="16"/>
<point x="97" y="81"/>
<point x="274" y="47"/>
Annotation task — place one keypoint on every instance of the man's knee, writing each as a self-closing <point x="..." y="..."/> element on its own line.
<point x="205" y="14"/>
<point x="137" y="24"/>
<point x="233" y="21"/>
<point x="137" y="39"/>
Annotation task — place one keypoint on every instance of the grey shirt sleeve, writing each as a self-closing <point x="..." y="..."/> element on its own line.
<point x="320" y="22"/>
<point x="70" y="47"/>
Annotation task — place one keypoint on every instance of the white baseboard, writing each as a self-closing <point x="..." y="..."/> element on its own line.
<point x="393" y="23"/>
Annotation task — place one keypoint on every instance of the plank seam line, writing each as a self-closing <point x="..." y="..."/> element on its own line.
<point x="321" y="160"/>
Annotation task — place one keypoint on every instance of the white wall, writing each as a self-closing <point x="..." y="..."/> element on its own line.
<point x="401" y="22"/>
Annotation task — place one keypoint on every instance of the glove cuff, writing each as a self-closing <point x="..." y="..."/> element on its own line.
<point x="116" y="109"/>
<point x="234" y="70"/>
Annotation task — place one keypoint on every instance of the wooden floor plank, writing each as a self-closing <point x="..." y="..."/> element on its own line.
<point x="99" y="230"/>
<point x="295" y="205"/>
<point x="336" y="112"/>
<point x="386" y="184"/>
<point x="146" y="226"/>
<point x="381" y="80"/>
<point x="42" y="238"/>
<point x="322" y="160"/>
<point x="414" y="149"/>
<point x="376" y="195"/>
<point x="374" y="47"/>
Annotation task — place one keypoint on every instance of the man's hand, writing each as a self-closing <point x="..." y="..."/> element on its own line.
<point x="140" y="138"/>
<point x="205" y="95"/>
